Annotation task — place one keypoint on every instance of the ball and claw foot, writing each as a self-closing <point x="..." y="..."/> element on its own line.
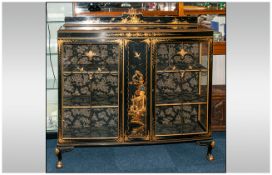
<point x="59" y="164"/>
<point x="210" y="157"/>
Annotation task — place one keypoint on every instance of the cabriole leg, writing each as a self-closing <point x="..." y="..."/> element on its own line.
<point x="210" y="144"/>
<point x="210" y="157"/>
<point x="58" y="153"/>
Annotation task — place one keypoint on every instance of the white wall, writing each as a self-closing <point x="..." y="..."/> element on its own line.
<point x="219" y="70"/>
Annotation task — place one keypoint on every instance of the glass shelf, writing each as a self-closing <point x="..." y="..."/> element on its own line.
<point x="90" y="68"/>
<point x="181" y="68"/>
<point x="90" y="100"/>
<point x="180" y="98"/>
<point x="91" y="72"/>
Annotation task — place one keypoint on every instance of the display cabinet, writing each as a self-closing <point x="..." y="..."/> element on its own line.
<point x="134" y="80"/>
<point x="204" y="8"/>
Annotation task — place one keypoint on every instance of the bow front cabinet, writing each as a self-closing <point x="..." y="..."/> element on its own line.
<point x="133" y="80"/>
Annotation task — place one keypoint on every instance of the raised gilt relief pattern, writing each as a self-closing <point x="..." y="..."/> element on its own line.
<point x="177" y="85"/>
<point x="91" y="57"/>
<point x="97" y="122"/>
<point x="176" y="55"/>
<point x="99" y="85"/>
<point x="177" y="119"/>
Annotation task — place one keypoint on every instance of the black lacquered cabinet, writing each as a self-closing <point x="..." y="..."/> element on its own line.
<point x="133" y="80"/>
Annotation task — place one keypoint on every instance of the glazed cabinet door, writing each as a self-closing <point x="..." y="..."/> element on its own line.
<point x="180" y="87"/>
<point x="89" y="96"/>
<point x="136" y="90"/>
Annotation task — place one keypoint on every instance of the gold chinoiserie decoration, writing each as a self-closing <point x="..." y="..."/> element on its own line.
<point x="90" y="54"/>
<point x="182" y="52"/>
<point x="132" y="17"/>
<point x="137" y="108"/>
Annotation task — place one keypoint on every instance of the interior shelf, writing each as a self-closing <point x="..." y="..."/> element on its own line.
<point x="90" y="68"/>
<point x="90" y="100"/>
<point x="181" y="67"/>
<point x="171" y="99"/>
<point x="90" y="72"/>
<point x="182" y="70"/>
<point x="90" y="107"/>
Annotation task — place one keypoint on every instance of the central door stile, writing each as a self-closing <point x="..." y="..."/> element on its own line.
<point x="137" y="90"/>
<point x="121" y="104"/>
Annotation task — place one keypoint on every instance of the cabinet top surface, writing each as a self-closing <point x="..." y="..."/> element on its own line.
<point x="134" y="28"/>
<point x="134" y="23"/>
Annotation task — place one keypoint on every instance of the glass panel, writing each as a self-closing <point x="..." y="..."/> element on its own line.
<point x="97" y="122"/>
<point x="178" y="55"/>
<point x="181" y="74"/>
<point x="203" y="117"/>
<point x="204" y="54"/>
<point x="204" y="75"/>
<point x="179" y="119"/>
<point x="91" y="74"/>
<point x="91" y="57"/>
<point x="181" y="86"/>
<point x="51" y="81"/>
<point x="90" y="89"/>
<point x="53" y="30"/>
<point x="52" y="110"/>
<point x="57" y="11"/>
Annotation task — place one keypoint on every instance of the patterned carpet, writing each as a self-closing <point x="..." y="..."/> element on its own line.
<point x="163" y="158"/>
